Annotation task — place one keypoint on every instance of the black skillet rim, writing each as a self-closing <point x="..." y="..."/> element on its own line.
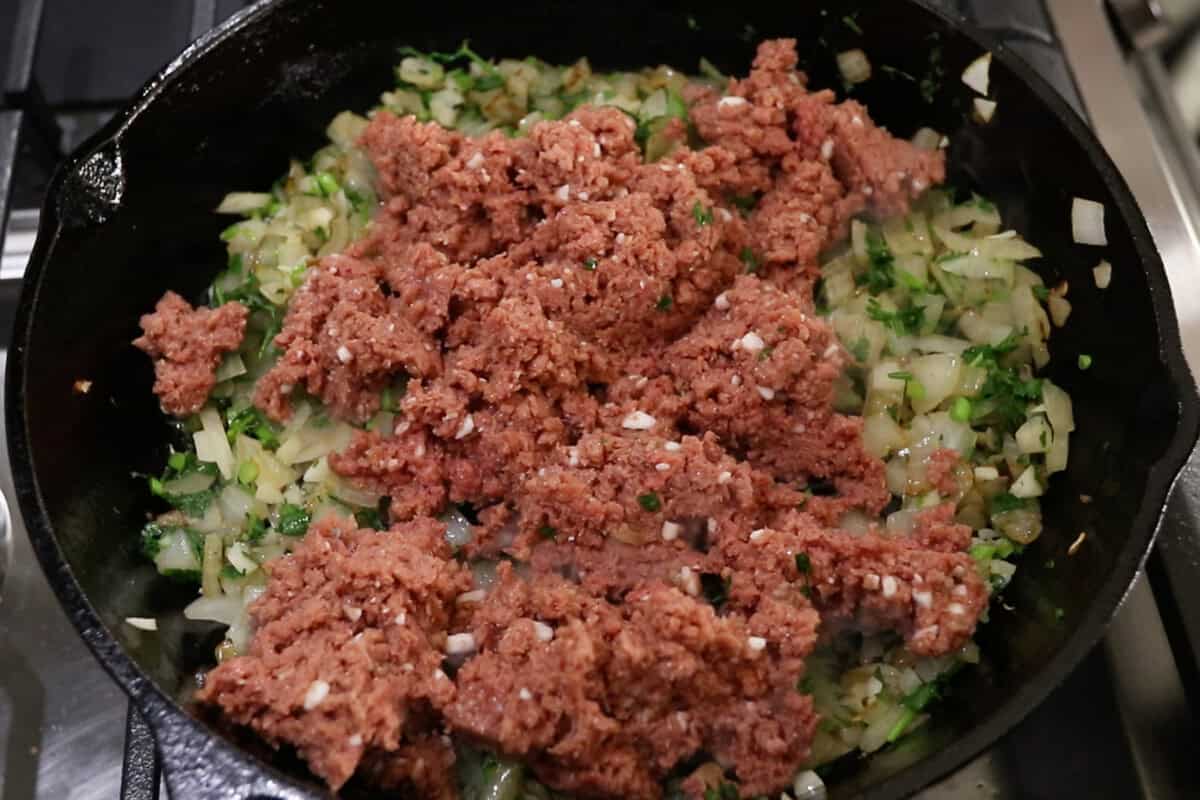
<point x="167" y="717"/>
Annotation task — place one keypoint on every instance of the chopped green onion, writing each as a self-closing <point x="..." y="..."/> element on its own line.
<point x="327" y="184"/>
<point x="702" y="215"/>
<point x="902" y="375"/>
<point x="915" y="390"/>
<point x="590" y="264"/>
<point x="177" y="461"/>
<point x="1085" y="361"/>
<point x="293" y="520"/>
<point x="247" y="472"/>
<point x="747" y="256"/>
<point x="960" y="411"/>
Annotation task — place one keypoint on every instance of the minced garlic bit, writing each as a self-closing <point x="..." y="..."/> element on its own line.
<point x="1075" y="545"/>
<point x="672" y="446"/>
<point x="757" y="643"/>
<point x="344" y="355"/>
<point x="889" y="586"/>
<point x="638" y="421"/>
<point x="753" y="342"/>
<point x="82" y="386"/>
<point x="525" y="694"/>
<point x="458" y="644"/>
<point x="544" y="632"/>
<point x="465" y="429"/>
<point x="473" y="596"/>
<point x="722" y="302"/>
<point x="923" y="599"/>
<point x="317" y="691"/>
<point x="758" y="535"/>
<point x="766" y="393"/>
<point x="725" y="477"/>
<point x="731" y="100"/>
<point x="670" y="531"/>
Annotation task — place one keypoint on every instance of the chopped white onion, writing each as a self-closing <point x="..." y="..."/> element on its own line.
<point x="223" y="608"/>
<point x="243" y="202"/>
<point x="984" y="109"/>
<point x="1087" y="222"/>
<point x="1060" y="309"/>
<point x="240" y="559"/>
<point x="926" y="139"/>
<point x="1102" y="273"/>
<point x="977" y="75"/>
<point x="938" y="374"/>
<point x="231" y="367"/>
<point x="211" y="443"/>
<point x="142" y="623"/>
<point x="854" y="66"/>
<point x="1027" y="484"/>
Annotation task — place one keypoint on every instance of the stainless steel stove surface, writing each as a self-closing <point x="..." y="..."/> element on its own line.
<point x="1119" y="727"/>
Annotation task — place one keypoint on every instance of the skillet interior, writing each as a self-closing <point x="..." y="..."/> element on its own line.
<point x="129" y="217"/>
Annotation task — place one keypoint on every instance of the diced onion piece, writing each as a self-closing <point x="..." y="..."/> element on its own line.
<point x="211" y="444"/>
<point x="1010" y="248"/>
<point x="191" y="483"/>
<point x="176" y="554"/>
<point x="1058" y="408"/>
<point x="1022" y="525"/>
<point x="926" y="139"/>
<point x="1056" y="456"/>
<point x="854" y="66"/>
<point x="239" y="558"/>
<point x="1087" y="222"/>
<point x="1027" y="484"/>
<point x="858" y="242"/>
<point x="939" y="375"/>
<point x="1060" y="309"/>
<point x="243" y="202"/>
<point x="420" y="72"/>
<point x="142" y="623"/>
<point x="1035" y="435"/>
<point x="345" y="128"/>
<point x="1102" y="273"/>
<point x="978" y="266"/>
<point x="983" y="331"/>
<point x="935" y="343"/>
<point x="881" y="435"/>
<point x="444" y="105"/>
<point x="977" y="75"/>
<point x="210" y="569"/>
<point x="224" y="609"/>
<point x="231" y="367"/>
<point x="880" y="380"/>
<point x="984" y="109"/>
<point x="808" y="786"/>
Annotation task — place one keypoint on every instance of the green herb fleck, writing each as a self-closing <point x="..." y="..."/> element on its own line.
<point x="850" y="22"/>
<point x="1085" y="361"/>
<point x="902" y="375"/>
<point x="369" y="518"/>
<point x="650" y="501"/>
<point x="293" y="520"/>
<point x="702" y="215"/>
<point x="880" y="275"/>
<point x="255" y="530"/>
<point x="1006" y="501"/>
<point x="915" y="390"/>
<point x="590" y="264"/>
<point x="327" y="184"/>
<point x="547" y="532"/>
<point x="1041" y="292"/>
<point x="748" y="258"/>
<point x="664" y="303"/>
<point x="861" y="349"/>
<point x="765" y="353"/>
<point x="744" y="203"/>
<point x="906" y="321"/>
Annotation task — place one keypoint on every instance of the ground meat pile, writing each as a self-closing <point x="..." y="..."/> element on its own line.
<point x="634" y="417"/>
<point x="186" y="345"/>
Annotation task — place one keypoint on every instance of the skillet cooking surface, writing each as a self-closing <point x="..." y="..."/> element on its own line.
<point x="129" y="216"/>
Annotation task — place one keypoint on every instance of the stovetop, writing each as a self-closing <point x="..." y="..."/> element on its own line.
<point x="1119" y="727"/>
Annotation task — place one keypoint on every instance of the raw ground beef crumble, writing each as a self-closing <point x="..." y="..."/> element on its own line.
<point x="628" y="411"/>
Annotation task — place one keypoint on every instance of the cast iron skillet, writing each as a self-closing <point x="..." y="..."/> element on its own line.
<point x="129" y="216"/>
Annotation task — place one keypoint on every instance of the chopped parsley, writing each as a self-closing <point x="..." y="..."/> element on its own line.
<point x="850" y="22"/>
<point x="1005" y="392"/>
<point x="293" y="520"/>
<point x="765" y="353"/>
<point x="861" y="349"/>
<point x="1006" y="501"/>
<point x="255" y="530"/>
<point x="254" y="424"/>
<point x="748" y="258"/>
<point x="702" y="215"/>
<point x="650" y="501"/>
<point x="369" y="518"/>
<point x="590" y="264"/>
<point x="664" y="303"/>
<point x="906" y="321"/>
<point x="881" y="265"/>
